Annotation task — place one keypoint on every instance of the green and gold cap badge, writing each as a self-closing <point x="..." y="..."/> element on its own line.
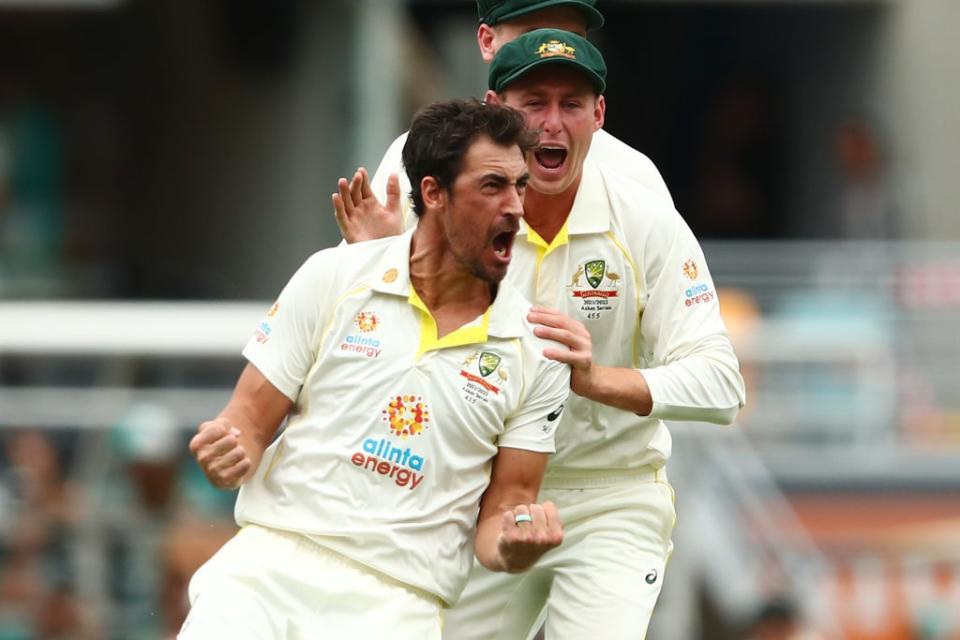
<point x="546" y="46"/>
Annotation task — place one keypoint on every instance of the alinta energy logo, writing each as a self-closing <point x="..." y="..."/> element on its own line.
<point x="367" y="321"/>
<point x="262" y="333"/>
<point x="362" y="343"/>
<point x="407" y="415"/>
<point x="698" y="292"/>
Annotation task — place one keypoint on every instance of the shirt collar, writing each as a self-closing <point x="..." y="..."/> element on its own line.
<point x="391" y="275"/>
<point x="392" y="272"/>
<point x="591" y="207"/>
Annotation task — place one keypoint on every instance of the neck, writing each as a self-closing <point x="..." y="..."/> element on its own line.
<point x="453" y="294"/>
<point x="547" y="213"/>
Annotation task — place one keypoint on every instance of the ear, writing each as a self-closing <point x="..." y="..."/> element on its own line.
<point x="599" y="113"/>
<point x="434" y="197"/>
<point x="491" y="97"/>
<point x="486" y="40"/>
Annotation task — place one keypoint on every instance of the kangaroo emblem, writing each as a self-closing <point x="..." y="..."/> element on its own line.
<point x="575" y="280"/>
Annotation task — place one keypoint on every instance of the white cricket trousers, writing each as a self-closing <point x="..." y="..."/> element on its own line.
<point x="602" y="582"/>
<point x="266" y="584"/>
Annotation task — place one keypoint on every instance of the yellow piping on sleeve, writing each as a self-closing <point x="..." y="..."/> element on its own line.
<point x="278" y="454"/>
<point x="637" y="283"/>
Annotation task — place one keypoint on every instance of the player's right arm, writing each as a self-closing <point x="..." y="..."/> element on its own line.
<point x="229" y="447"/>
<point x="280" y="354"/>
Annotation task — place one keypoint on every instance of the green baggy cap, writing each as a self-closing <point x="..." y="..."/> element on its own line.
<point x="546" y="46"/>
<point x="495" y="11"/>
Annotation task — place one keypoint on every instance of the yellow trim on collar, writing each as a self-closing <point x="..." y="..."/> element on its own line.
<point x="544" y="249"/>
<point x="467" y="334"/>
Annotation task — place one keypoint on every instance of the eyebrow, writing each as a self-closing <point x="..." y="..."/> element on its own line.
<point x="500" y="179"/>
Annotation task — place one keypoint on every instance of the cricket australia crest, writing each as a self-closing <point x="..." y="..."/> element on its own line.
<point x="595" y="270"/>
<point x="597" y="296"/>
<point x="488" y="363"/>
<point x="478" y="388"/>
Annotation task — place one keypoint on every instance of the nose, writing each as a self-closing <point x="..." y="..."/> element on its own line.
<point x="514" y="203"/>
<point x="552" y="123"/>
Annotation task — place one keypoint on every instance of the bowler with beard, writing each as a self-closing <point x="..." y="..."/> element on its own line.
<point x="420" y="413"/>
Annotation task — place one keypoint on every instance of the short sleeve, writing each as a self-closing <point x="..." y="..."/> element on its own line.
<point x="284" y="345"/>
<point x="534" y="423"/>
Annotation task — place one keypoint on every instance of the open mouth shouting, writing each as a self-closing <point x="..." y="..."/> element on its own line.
<point x="551" y="156"/>
<point x="502" y="241"/>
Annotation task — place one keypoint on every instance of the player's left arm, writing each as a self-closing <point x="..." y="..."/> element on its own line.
<point x="502" y="543"/>
<point x="696" y="375"/>
<point x="693" y="373"/>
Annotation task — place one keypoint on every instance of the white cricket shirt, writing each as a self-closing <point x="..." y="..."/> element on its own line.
<point x="389" y="446"/>
<point x="627" y="265"/>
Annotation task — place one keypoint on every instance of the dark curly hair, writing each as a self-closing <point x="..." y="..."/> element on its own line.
<point x="442" y="133"/>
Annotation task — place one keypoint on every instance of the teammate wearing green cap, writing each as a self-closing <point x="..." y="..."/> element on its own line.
<point x="357" y="207"/>
<point x="623" y="283"/>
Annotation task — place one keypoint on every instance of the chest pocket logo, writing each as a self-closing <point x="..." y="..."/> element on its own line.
<point x="595" y="270"/>
<point x="488" y="363"/>
<point x="599" y="299"/>
<point x="492" y="376"/>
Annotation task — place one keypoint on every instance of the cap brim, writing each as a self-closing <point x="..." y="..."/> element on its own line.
<point x="593" y="16"/>
<point x="599" y="84"/>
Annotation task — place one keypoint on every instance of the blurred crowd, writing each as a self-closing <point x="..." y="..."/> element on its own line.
<point x="102" y="545"/>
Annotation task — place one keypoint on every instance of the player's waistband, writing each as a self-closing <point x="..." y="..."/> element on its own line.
<point x="560" y="478"/>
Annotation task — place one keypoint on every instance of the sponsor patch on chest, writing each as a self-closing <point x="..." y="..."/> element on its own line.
<point x="363" y="341"/>
<point x="594" y="289"/>
<point x="484" y="376"/>
<point x="407" y="417"/>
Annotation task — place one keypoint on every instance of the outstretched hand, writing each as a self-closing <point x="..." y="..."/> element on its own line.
<point x="359" y="213"/>
<point x="526" y="533"/>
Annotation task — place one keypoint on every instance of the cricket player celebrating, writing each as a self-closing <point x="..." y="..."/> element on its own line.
<point x="500" y="22"/>
<point x="621" y="281"/>
<point x="420" y="407"/>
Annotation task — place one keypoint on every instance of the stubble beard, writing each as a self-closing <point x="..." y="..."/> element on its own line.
<point x="475" y="266"/>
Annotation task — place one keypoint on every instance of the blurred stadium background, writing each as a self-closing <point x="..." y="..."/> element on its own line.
<point x="165" y="166"/>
